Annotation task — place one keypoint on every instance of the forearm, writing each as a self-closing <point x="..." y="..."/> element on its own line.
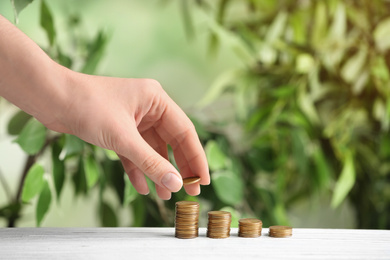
<point x="28" y="77"/>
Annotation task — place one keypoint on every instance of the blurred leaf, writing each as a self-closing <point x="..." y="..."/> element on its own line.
<point x="339" y="25"/>
<point x="352" y="68"/>
<point x="114" y="172"/>
<point x="32" y="138"/>
<point x="381" y="34"/>
<point x="187" y="19"/>
<point x="43" y="204"/>
<point x="107" y="215"/>
<point x="111" y="155"/>
<point x="276" y="29"/>
<point x="11" y="211"/>
<point x="64" y="59"/>
<point x="95" y="53"/>
<point x="17" y="122"/>
<point x="139" y="212"/>
<point x="235" y="216"/>
<point x="33" y="183"/>
<point x="323" y="171"/>
<point x="215" y="156"/>
<point x="345" y="182"/>
<point x="18" y="6"/>
<point x="218" y="87"/>
<point x="79" y="179"/>
<point x="130" y="192"/>
<point x="200" y="129"/>
<point x="228" y="187"/>
<point x="58" y="168"/>
<point x="73" y="145"/>
<point x="47" y="22"/>
<point x="320" y="23"/>
<point x="91" y="170"/>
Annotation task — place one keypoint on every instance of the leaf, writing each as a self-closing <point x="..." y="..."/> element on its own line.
<point x="73" y="145"/>
<point x="381" y="35"/>
<point x="95" y="53"/>
<point x="339" y="25"/>
<point x="18" y="6"/>
<point x="218" y="87"/>
<point x="47" y="22"/>
<point x="111" y="155"/>
<point x="139" y="212"/>
<point x="320" y="23"/>
<point x="107" y="215"/>
<point x="323" y="171"/>
<point x="33" y="183"/>
<point x="32" y="138"/>
<point x="228" y="187"/>
<point x="215" y="156"/>
<point x="130" y="192"/>
<point x="345" y="182"/>
<point x="353" y="67"/>
<point x="43" y="204"/>
<point x="187" y="19"/>
<point x="79" y="181"/>
<point x="17" y="122"/>
<point x="58" y="168"/>
<point x="64" y="59"/>
<point x="275" y="30"/>
<point x="91" y="170"/>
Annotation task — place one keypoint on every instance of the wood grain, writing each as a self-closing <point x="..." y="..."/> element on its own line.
<point x="160" y="243"/>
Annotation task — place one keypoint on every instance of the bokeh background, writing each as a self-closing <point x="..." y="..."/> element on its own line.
<point x="291" y="100"/>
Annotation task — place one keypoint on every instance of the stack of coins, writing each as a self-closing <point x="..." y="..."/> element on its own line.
<point x="280" y="231"/>
<point x="249" y="227"/>
<point x="219" y="224"/>
<point x="187" y="218"/>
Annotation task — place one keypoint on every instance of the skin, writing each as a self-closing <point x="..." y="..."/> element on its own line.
<point x="133" y="117"/>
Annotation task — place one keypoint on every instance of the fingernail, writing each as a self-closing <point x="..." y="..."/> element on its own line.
<point x="172" y="182"/>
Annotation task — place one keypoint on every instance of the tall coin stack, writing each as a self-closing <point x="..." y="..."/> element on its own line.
<point x="187" y="218"/>
<point x="219" y="224"/>
<point x="249" y="227"/>
<point x="280" y="231"/>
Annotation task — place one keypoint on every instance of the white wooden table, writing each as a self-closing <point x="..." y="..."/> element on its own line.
<point x="160" y="243"/>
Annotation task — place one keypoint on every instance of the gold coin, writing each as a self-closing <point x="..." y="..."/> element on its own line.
<point x="280" y="231"/>
<point x="190" y="180"/>
<point x="186" y="221"/>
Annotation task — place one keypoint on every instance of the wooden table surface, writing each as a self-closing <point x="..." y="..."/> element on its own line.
<point x="160" y="243"/>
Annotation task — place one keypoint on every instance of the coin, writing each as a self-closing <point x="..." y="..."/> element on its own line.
<point x="190" y="180"/>
<point x="280" y="231"/>
<point x="187" y="218"/>
<point x="249" y="227"/>
<point x="219" y="224"/>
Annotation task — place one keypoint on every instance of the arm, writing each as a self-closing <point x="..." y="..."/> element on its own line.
<point x="133" y="117"/>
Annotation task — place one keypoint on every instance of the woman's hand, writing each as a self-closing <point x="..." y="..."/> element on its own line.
<point x="133" y="117"/>
<point x="137" y="119"/>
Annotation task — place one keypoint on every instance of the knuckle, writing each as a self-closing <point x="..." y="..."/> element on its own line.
<point x="151" y="166"/>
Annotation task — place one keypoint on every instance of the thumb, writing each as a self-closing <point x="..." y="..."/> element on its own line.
<point x="151" y="163"/>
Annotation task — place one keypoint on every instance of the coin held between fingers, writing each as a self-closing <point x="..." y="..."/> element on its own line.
<point x="190" y="180"/>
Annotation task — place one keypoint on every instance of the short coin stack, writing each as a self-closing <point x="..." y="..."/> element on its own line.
<point x="280" y="231"/>
<point x="249" y="227"/>
<point x="187" y="218"/>
<point x="219" y="224"/>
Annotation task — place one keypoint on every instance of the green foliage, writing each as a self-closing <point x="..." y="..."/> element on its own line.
<point x="47" y="22"/>
<point x="33" y="183"/>
<point x="18" y="6"/>
<point x="43" y="203"/>
<point x="312" y="102"/>
<point x="17" y="122"/>
<point x="32" y="137"/>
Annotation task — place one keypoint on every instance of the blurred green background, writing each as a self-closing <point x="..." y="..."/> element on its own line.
<point x="291" y="100"/>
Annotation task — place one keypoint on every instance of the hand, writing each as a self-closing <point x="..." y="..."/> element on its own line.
<point x="133" y="117"/>
<point x="136" y="119"/>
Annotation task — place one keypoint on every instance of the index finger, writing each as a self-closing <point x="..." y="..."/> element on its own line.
<point x="176" y="129"/>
